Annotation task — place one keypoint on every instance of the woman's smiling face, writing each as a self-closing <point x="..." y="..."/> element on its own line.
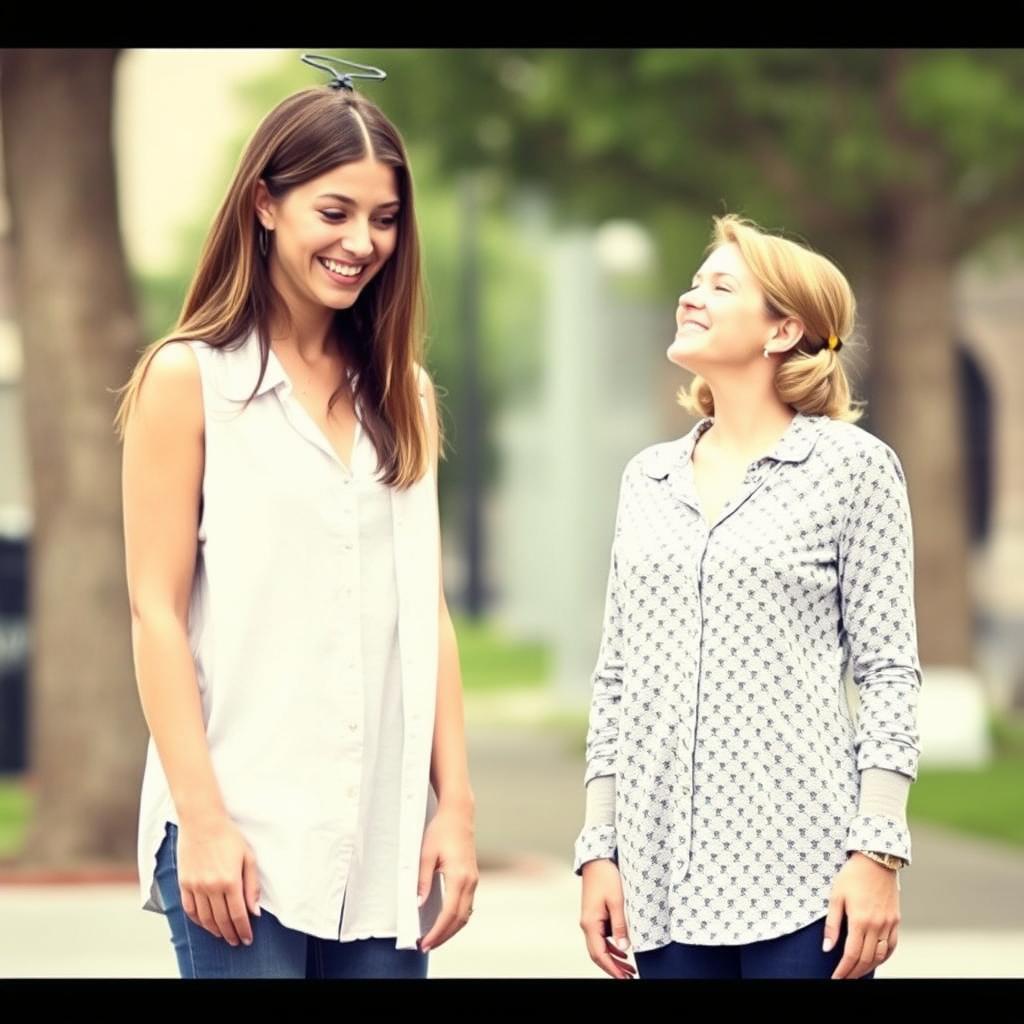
<point x="345" y="220"/>
<point x="724" y="317"/>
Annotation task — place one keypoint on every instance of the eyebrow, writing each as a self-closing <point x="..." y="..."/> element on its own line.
<point x="718" y="273"/>
<point x="347" y="199"/>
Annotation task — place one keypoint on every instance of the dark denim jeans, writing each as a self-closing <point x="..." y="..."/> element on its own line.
<point x="276" y="951"/>
<point x="798" y="955"/>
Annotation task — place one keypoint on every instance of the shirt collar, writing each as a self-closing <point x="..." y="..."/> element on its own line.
<point x="240" y="367"/>
<point x="794" y="445"/>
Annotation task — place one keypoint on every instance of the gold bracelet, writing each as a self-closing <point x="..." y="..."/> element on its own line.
<point x="890" y="860"/>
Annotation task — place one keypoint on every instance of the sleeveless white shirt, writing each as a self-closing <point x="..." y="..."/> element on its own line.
<point x="313" y="624"/>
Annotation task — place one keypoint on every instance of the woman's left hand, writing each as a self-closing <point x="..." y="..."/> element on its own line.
<point x="868" y="893"/>
<point x="448" y="847"/>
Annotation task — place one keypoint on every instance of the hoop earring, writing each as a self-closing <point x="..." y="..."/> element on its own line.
<point x="263" y="241"/>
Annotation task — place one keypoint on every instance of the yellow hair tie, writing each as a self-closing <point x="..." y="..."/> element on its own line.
<point x="833" y="342"/>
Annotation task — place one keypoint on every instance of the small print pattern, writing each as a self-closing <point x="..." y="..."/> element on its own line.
<point x="718" y="697"/>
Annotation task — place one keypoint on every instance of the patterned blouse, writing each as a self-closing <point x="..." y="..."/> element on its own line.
<point x="718" y="696"/>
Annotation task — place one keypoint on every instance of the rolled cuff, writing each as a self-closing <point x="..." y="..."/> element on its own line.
<point x="879" y="833"/>
<point x="892" y="754"/>
<point x="593" y="843"/>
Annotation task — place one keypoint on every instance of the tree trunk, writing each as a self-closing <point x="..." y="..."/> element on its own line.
<point x="78" y="323"/>
<point x="916" y="409"/>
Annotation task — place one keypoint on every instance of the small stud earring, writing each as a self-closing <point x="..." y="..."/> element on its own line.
<point x="766" y="353"/>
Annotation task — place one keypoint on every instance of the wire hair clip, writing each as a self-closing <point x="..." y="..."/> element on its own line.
<point x="341" y="81"/>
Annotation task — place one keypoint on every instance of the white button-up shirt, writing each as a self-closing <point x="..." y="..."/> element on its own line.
<point x="718" y="698"/>
<point x="274" y="629"/>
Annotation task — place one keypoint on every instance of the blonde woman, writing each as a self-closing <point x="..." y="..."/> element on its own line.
<point x="306" y="787"/>
<point x="740" y="822"/>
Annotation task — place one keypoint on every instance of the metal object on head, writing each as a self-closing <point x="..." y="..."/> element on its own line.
<point x="342" y="81"/>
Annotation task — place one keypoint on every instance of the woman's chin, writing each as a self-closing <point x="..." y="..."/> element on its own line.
<point x="335" y="300"/>
<point x="684" y="351"/>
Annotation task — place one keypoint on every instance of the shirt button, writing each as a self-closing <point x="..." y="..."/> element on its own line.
<point x="353" y="726"/>
<point x="352" y="791"/>
<point x="348" y="546"/>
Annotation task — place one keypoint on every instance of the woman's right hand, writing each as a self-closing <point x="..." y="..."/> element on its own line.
<point x="218" y="878"/>
<point x="603" y="920"/>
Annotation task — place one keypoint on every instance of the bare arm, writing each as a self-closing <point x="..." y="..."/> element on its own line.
<point x="450" y="844"/>
<point x="449" y="763"/>
<point x="449" y="768"/>
<point x="162" y="478"/>
<point x="162" y="472"/>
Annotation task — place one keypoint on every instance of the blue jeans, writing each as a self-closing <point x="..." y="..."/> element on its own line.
<point x="797" y="955"/>
<point x="276" y="951"/>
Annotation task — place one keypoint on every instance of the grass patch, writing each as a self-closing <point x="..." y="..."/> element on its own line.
<point x="493" y="661"/>
<point x="15" y="807"/>
<point x="986" y="802"/>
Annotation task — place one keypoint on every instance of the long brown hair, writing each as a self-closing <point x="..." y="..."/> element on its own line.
<point x="306" y="135"/>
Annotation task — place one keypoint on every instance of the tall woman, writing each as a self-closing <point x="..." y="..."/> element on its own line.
<point x="306" y="785"/>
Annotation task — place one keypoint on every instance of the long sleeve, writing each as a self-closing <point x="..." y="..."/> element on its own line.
<point x="598" y="840"/>
<point x="876" y="592"/>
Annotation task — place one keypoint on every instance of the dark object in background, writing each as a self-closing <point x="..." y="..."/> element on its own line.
<point x="976" y="398"/>
<point x="13" y="652"/>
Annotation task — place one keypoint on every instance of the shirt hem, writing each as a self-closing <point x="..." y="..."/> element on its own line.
<point x="770" y="932"/>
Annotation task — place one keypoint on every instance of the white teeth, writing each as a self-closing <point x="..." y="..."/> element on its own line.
<point x="340" y="268"/>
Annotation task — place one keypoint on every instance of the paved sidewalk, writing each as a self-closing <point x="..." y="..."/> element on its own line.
<point x="524" y="926"/>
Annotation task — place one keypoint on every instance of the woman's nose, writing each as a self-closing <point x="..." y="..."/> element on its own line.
<point x="357" y="241"/>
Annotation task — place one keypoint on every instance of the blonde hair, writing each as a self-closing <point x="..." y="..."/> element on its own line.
<point x="801" y="283"/>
